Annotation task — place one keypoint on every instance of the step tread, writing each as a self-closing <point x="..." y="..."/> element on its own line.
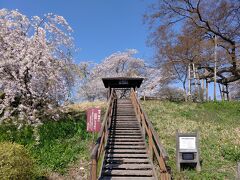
<point x="127" y="155"/>
<point x="124" y="140"/>
<point x="110" y="143"/>
<point x="129" y="172"/>
<point x="128" y="166"/>
<point x="125" y="136"/>
<point x="126" y="151"/>
<point x="125" y="147"/>
<point x="116" y="160"/>
<point x="127" y="178"/>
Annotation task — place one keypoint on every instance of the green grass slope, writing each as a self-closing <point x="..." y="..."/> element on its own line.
<point x="219" y="126"/>
<point x="63" y="144"/>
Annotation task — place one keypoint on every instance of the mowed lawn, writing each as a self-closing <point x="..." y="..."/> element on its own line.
<point x="219" y="126"/>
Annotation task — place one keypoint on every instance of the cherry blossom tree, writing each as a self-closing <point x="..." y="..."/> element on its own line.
<point x="119" y="64"/>
<point x="35" y="63"/>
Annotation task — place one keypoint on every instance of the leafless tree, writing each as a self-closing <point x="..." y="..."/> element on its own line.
<point x="202" y="20"/>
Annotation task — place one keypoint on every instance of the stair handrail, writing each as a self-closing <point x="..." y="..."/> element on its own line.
<point x="98" y="149"/>
<point x="155" y="147"/>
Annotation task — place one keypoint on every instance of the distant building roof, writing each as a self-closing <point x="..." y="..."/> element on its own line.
<point x="122" y="82"/>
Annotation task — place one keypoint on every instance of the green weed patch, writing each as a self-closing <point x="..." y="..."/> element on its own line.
<point x="219" y="126"/>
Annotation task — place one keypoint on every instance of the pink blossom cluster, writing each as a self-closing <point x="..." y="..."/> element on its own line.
<point x="35" y="62"/>
<point x="119" y="64"/>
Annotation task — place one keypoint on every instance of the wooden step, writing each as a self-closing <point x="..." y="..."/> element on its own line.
<point x="126" y="113"/>
<point x="126" y="143"/>
<point x="125" y="121"/>
<point x="128" y="173"/>
<point x="135" y="129"/>
<point x="130" y="151"/>
<point x="125" y="134"/>
<point x="125" y="147"/>
<point x="136" y="126"/>
<point x="133" y="115"/>
<point x="125" y="131"/>
<point x="126" y="178"/>
<point x="126" y="160"/>
<point x="126" y="127"/>
<point x="125" y="137"/>
<point x="125" y="124"/>
<point x="128" y="166"/>
<point x="127" y="155"/>
<point x="125" y="108"/>
<point x="120" y="128"/>
<point x="124" y="140"/>
<point x="125" y="117"/>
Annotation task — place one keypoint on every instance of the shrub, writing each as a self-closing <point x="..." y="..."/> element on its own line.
<point x="172" y="94"/>
<point x="11" y="132"/>
<point x="15" y="162"/>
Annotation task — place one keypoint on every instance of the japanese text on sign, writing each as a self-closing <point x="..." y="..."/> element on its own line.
<point x="93" y="119"/>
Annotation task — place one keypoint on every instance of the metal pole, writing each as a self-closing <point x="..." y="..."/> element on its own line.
<point x="189" y="80"/>
<point x="215" y="67"/>
<point x="227" y="92"/>
<point x="206" y="90"/>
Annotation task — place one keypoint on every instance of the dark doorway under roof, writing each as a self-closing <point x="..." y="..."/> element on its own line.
<point x="122" y="82"/>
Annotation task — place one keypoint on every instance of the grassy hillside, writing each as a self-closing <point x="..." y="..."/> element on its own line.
<point x="219" y="126"/>
<point x="64" y="146"/>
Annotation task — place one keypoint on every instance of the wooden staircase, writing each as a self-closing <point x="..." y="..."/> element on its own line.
<point x="127" y="144"/>
<point x="126" y="155"/>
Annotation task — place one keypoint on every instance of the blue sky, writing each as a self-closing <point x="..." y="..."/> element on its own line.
<point x="101" y="27"/>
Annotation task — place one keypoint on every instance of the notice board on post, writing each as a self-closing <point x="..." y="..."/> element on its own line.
<point x="93" y="119"/>
<point x="187" y="150"/>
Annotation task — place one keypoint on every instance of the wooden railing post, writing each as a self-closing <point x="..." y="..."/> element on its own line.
<point x="155" y="148"/>
<point x="94" y="170"/>
<point x="98" y="149"/>
<point x="150" y="145"/>
<point x="144" y="132"/>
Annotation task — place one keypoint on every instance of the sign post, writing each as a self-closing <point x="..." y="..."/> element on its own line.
<point x="93" y="119"/>
<point x="187" y="150"/>
<point x="238" y="171"/>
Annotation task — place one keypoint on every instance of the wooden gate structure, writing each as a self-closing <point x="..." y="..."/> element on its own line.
<point x="127" y="146"/>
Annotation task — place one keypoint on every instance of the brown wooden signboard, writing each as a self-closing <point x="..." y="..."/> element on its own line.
<point x="93" y="119"/>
